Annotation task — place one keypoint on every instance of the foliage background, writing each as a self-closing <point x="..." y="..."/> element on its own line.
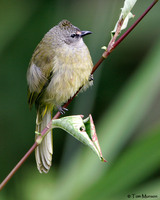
<point x="124" y="103"/>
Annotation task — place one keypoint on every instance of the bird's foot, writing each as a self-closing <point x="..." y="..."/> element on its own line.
<point x="62" y="110"/>
<point x="90" y="77"/>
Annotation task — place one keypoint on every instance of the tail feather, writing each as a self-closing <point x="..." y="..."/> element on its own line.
<point x="43" y="152"/>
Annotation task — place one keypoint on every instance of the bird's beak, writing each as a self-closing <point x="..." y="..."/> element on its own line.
<point x="83" y="33"/>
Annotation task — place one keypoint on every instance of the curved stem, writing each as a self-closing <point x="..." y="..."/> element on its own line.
<point x="4" y="182"/>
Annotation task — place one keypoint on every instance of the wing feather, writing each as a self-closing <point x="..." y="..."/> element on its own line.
<point x="36" y="80"/>
<point x="40" y="70"/>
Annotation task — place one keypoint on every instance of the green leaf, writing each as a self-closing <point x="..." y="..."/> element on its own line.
<point x="128" y="5"/>
<point x="125" y="15"/>
<point x="82" y="130"/>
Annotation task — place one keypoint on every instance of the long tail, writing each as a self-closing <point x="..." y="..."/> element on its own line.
<point x="43" y="152"/>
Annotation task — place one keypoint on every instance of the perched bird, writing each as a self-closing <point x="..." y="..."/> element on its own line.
<point x="60" y="65"/>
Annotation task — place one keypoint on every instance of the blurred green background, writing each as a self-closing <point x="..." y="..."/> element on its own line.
<point x="124" y="103"/>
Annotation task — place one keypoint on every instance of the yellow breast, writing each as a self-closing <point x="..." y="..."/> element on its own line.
<point x="71" y="70"/>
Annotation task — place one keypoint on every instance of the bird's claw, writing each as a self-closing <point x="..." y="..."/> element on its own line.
<point x="62" y="110"/>
<point x="90" y="77"/>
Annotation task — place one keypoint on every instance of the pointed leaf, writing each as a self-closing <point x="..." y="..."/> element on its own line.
<point x="82" y="130"/>
<point x="125" y="15"/>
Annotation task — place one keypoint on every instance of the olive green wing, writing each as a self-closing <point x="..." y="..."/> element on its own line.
<point x="36" y="80"/>
<point x="40" y="69"/>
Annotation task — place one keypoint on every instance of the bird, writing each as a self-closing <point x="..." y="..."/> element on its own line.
<point x="61" y="64"/>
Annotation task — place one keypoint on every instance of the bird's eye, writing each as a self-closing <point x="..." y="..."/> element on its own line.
<point x="74" y="35"/>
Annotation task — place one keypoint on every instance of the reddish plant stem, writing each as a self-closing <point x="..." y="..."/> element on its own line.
<point x="4" y="182"/>
<point x="111" y="46"/>
<point x="135" y="24"/>
<point x="97" y="64"/>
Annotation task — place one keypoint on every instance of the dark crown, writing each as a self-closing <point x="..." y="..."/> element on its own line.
<point x="65" y="24"/>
